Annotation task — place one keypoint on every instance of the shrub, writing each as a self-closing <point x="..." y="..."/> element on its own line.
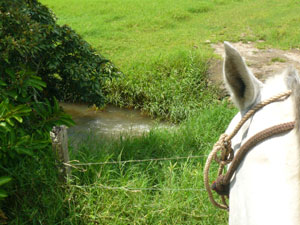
<point x="71" y="68"/>
<point x="40" y="62"/>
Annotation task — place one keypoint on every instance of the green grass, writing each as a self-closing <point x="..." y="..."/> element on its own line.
<point x="193" y="137"/>
<point x="153" y="42"/>
<point x="132" y="32"/>
<point x="278" y="59"/>
<point x="36" y="195"/>
<point x="40" y="200"/>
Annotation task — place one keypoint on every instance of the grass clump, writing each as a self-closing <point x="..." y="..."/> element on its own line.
<point x="162" y="90"/>
<point x="278" y="59"/>
<point x="202" y="7"/>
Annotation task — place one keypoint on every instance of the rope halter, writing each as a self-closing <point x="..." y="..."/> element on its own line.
<point x="223" y="153"/>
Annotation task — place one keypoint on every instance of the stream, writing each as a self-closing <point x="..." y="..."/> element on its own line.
<point x="110" y="122"/>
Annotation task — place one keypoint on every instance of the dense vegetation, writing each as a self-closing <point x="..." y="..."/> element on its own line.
<point x="31" y="41"/>
<point x="160" y="46"/>
<point x="40" y="62"/>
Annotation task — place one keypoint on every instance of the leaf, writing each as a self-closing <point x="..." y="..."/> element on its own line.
<point x="67" y="121"/>
<point x="10" y="122"/>
<point x="56" y="105"/>
<point x="22" y="109"/>
<point x="12" y="94"/>
<point x="23" y="150"/>
<point x="36" y="82"/>
<point x="2" y="83"/>
<point x="11" y="138"/>
<point x="4" y="180"/>
<point x="3" y="194"/>
<point x="10" y="72"/>
<point x="5" y="126"/>
<point x="18" y="118"/>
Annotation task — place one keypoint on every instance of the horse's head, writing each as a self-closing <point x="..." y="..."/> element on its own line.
<point x="266" y="186"/>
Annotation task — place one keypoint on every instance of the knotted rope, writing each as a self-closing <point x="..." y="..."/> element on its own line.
<point x="223" y="145"/>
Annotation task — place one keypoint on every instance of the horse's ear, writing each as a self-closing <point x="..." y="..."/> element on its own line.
<point x="240" y="82"/>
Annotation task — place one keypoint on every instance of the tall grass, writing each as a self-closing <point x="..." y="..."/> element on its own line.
<point x="173" y="89"/>
<point x="36" y="195"/>
<point x="156" y="192"/>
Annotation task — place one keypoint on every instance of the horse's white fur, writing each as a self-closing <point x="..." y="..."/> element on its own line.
<point x="266" y="187"/>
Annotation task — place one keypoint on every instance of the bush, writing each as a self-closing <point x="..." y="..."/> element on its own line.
<point x="71" y="68"/>
<point x="40" y="62"/>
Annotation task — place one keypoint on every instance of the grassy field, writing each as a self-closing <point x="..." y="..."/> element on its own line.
<point x="159" y="44"/>
<point x="161" y="48"/>
<point x="136" y="33"/>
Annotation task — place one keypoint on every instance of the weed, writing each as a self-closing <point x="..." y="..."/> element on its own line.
<point x="278" y="59"/>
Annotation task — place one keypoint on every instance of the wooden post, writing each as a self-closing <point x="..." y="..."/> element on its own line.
<point x="60" y="148"/>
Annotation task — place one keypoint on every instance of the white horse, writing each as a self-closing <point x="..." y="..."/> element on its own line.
<point x="265" y="189"/>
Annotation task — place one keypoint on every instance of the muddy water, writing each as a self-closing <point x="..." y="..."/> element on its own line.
<point x="110" y="122"/>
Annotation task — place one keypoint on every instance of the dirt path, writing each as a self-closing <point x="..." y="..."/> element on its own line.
<point x="262" y="62"/>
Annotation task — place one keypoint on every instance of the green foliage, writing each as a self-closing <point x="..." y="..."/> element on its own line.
<point x="39" y="62"/>
<point x="70" y="67"/>
<point x="35" y="195"/>
<point x="25" y="119"/>
<point x="3" y="180"/>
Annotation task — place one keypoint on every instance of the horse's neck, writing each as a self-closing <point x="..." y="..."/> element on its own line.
<point x="266" y="187"/>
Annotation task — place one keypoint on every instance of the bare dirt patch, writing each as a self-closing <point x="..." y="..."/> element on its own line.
<point x="262" y="62"/>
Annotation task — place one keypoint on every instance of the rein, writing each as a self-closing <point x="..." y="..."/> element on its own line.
<point x="226" y="153"/>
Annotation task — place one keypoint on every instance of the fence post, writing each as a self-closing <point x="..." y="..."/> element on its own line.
<point x="60" y="148"/>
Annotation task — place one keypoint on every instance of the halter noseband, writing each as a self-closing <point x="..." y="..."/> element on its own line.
<point x="223" y="145"/>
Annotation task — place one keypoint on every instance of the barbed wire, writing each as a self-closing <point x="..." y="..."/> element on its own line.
<point x="133" y="161"/>
<point x="134" y="189"/>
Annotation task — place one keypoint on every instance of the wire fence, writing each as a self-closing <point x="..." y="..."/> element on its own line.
<point x="132" y="161"/>
<point x="75" y="163"/>
<point x="59" y="141"/>
<point x="135" y="189"/>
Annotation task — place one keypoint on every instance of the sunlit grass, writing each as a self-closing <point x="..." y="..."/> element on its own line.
<point x="151" y="41"/>
<point x="131" y="32"/>
<point x="152" y="192"/>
